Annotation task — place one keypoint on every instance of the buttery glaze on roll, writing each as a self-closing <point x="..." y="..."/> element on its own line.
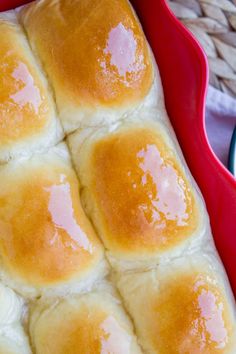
<point x="47" y="244"/>
<point x="27" y="114"/>
<point x="137" y="192"/>
<point x="182" y="307"/>
<point x="91" y="324"/>
<point x="13" y="339"/>
<point x="107" y="67"/>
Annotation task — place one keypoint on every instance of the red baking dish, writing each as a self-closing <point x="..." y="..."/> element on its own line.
<point x="184" y="71"/>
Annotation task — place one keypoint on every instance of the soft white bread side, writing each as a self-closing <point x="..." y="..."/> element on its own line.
<point x="47" y="244"/>
<point x="99" y="74"/>
<point x="10" y="306"/>
<point x="13" y="339"/>
<point x="28" y="121"/>
<point x="94" y="323"/>
<point x="138" y="193"/>
<point x="185" y="306"/>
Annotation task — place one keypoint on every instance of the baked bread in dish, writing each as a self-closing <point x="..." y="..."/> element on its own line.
<point x="47" y="243"/>
<point x="182" y="306"/>
<point x="138" y="192"/>
<point x="91" y="323"/>
<point x="98" y="72"/>
<point x="28" y="120"/>
<point x="105" y="240"/>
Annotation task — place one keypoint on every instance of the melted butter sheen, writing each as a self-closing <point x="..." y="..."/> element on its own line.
<point x="191" y="316"/>
<point x="87" y="331"/>
<point x="110" y="65"/>
<point x="45" y="236"/>
<point x="144" y="197"/>
<point x="23" y="107"/>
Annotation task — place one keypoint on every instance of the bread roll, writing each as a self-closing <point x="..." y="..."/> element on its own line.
<point x="28" y="120"/>
<point x="89" y="324"/>
<point x="47" y="244"/>
<point x="96" y="56"/>
<point x="12" y="336"/>
<point x="137" y="193"/>
<point x="185" y="306"/>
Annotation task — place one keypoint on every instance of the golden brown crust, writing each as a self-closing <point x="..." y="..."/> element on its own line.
<point x="182" y="307"/>
<point x="191" y="316"/>
<point x="92" y="324"/>
<point x="45" y="238"/>
<point x="25" y="107"/>
<point x="142" y="195"/>
<point x="106" y="60"/>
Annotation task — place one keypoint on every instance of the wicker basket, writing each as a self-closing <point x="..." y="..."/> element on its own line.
<point x="213" y="23"/>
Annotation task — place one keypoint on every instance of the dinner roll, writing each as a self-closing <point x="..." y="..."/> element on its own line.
<point x="12" y="336"/>
<point x="47" y="244"/>
<point x="184" y="306"/>
<point x="137" y="192"/>
<point x="91" y="324"/>
<point x="28" y="120"/>
<point x="96" y="56"/>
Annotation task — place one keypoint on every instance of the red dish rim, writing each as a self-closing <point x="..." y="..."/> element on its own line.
<point x="205" y="77"/>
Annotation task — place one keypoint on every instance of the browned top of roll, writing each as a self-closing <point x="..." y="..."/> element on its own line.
<point x="25" y="109"/>
<point x="190" y="316"/>
<point x="91" y="325"/>
<point x="93" y="50"/>
<point x="142" y="195"/>
<point x="45" y="237"/>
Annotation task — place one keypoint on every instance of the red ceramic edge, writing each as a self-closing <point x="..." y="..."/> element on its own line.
<point x="205" y="77"/>
<point x="11" y="4"/>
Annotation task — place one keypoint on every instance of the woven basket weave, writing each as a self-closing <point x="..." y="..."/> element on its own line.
<point x="213" y="23"/>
